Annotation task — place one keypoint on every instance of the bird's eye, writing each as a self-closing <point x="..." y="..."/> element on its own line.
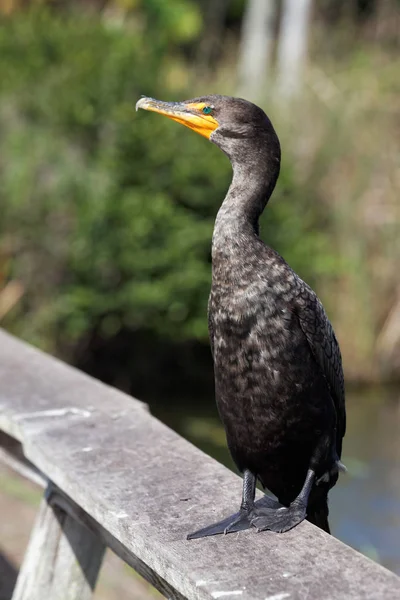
<point x="207" y="110"/>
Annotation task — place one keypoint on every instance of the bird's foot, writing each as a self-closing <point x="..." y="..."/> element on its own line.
<point x="281" y="519"/>
<point x="237" y="522"/>
<point x="240" y="521"/>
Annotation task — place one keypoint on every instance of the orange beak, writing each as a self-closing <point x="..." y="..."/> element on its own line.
<point x="190" y="114"/>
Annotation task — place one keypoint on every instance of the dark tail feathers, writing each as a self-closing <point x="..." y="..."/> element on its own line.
<point x="318" y="515"/>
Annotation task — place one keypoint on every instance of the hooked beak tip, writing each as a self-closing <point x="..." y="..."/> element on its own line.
<point x="142" y="103"/>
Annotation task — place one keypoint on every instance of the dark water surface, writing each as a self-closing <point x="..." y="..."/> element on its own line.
<point x="365" y="504"/>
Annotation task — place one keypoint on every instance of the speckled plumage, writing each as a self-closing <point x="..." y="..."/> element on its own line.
<point x="278" y="370"/>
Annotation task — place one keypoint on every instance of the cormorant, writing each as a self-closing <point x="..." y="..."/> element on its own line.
<point x="278" y="370"/>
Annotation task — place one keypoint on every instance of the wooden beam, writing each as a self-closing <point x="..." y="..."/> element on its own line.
<point x="65" y="503"/>
<point x="11" y="455"/>
<point x="145" y="488"/>
<point x="63" y="557"/>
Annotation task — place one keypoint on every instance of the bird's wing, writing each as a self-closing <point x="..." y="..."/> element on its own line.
<point x="323" y="343"/>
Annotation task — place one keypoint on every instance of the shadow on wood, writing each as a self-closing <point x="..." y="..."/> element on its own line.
<point x="62" y="556"/>
<point x="8" y="577"/>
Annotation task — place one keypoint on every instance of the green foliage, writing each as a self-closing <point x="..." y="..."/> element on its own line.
<point x="107" y="226"/>
<point x="108" y="214"/>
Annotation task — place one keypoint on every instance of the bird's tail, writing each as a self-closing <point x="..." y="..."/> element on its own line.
<point x="318" y="514"/>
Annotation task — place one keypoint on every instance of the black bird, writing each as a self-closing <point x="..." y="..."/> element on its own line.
<point x="278" y="369"/>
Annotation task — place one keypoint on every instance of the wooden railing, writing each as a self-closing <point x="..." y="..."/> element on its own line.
<point x="116" y="477"/>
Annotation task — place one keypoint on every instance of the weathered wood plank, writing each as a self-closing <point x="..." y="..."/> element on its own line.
<point x="11" y="454"/>
<point x="147" y="488"/>
<point x="63" y="558"/>
<point x="71" y="508"/>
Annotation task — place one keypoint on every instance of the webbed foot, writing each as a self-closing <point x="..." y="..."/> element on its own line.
<point x="237" y="522"/>
<point x="281" y="519"/>
<point x="240" y="521"/>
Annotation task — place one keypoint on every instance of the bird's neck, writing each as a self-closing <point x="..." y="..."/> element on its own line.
<point x="237" y="219"/>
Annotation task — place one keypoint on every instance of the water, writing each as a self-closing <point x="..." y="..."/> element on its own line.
<point x="365" y="504"/>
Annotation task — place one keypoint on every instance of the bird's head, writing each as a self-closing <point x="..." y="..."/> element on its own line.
<point x="233" y="124"/>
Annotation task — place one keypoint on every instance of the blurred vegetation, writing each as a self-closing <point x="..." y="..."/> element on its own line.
<point x="102" y="221"/>
<point x="107" y="216"/>
<point x="344" y="147"/>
